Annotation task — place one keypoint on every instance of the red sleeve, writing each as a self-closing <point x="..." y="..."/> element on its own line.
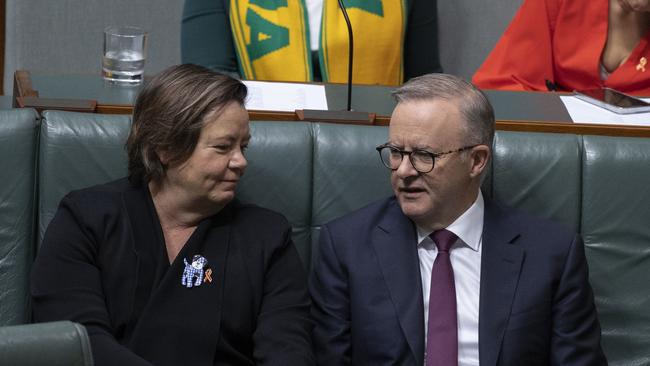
<point x="523" y="57"/>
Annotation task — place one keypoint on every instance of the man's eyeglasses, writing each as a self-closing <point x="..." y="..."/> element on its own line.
<point x="423" y="161"/>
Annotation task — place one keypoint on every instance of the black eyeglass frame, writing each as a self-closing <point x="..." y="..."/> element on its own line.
<point x="433" y="155"/>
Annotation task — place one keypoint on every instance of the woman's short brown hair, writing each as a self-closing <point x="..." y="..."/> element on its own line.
<point x="169" y="114"/>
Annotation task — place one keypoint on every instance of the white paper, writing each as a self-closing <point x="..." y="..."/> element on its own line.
<point x="284" y="97"/>
<point x="584" y="112"/>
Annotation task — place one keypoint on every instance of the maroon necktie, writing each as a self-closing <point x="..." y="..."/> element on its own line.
<point x="442" y="327"/>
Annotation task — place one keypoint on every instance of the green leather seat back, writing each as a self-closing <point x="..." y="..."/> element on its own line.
<point x="616" y="230"/>
<point x="61" y="343"/>
<point x="77" y="150"/>
<point x="313" y="173"/>
<point x="538" y="173"/>
<point x="18" y="140"/>
<point x="345" y="161"/>
<point x="278" y="175"/>
<point x="348" y="173"/>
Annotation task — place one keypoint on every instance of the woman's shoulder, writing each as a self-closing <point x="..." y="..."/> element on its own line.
<point x="259" y="227"/>
<point x="118" y="185"/>
<point x="247" y="213"/>
<point x="100" y="195"/>
<point x="92" y="210"/>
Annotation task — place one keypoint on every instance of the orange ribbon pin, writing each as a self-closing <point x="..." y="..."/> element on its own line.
<point x="208" y="276"/>
<point x="641" y="66"/>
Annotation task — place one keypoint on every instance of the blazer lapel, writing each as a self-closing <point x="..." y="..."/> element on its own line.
<point x="500" y="268"/>
<point x="394" y="241"/>
<point x="197" y="309"/>
<point x="146" y="248"/>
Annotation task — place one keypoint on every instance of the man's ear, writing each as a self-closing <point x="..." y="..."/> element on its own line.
<point x="479" y="157"/>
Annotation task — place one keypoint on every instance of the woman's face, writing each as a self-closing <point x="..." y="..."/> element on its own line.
<point x="210" y="175"/>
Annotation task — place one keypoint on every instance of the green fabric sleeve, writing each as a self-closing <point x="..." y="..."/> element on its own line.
<point x="206" y="38"/>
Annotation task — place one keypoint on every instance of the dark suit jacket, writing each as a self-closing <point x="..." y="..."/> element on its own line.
<point x="536" y="305"/>
<point x="103" y="264"/>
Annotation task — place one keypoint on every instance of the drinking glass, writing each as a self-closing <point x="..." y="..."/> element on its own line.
<point x="125" y="50"/>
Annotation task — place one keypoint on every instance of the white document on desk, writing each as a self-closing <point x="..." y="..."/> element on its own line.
<point x="284" y="97"/>
<point x="583" y="112"/>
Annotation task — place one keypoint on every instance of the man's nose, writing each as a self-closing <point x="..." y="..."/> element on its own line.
<point x="405" y="168"/>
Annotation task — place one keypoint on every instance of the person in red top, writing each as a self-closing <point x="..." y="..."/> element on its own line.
<point x="572" y="45"/>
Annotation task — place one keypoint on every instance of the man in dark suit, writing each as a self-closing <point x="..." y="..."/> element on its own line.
<point x="440" y="275"/>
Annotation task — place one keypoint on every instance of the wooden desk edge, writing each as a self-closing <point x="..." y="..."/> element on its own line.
<point x="573" y="128"/>
<point x="502" y="125"/>
<point x="114" y="109"/>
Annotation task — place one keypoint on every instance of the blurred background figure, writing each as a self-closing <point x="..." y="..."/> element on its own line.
<point x="165" y="267"/>
<point x="568" y="45"/>
<point x="295" y="40"/>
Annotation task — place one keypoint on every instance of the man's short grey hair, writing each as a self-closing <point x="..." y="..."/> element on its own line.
<point x="472" y="103"/>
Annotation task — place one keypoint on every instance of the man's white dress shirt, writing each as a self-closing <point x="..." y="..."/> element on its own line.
<point x="465" y="257"/>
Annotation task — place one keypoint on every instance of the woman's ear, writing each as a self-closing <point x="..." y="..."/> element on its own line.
<point x="163" y="156"/>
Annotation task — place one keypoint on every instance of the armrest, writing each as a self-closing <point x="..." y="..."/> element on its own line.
<point x="55" y="343"/>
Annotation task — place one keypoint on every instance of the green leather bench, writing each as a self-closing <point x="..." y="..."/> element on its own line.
<point x="18" y="148"/>
<point x="62" y="343"/>
<point x="314" y="172"/>
<point x="54" y="344"/>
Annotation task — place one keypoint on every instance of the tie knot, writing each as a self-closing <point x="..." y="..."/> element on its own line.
<point x="443" y="239"/>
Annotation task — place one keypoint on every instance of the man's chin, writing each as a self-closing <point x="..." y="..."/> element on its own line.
<point x="412" y="209"/>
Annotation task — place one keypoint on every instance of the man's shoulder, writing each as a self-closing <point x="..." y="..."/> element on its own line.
<point x="525" y="219"/>
<point x="366" y="216"/>
<point x="528" y="229"/>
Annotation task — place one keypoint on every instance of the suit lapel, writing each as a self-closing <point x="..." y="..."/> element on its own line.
<point x="394" y="241"/>
<point x="500" y="267"/>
